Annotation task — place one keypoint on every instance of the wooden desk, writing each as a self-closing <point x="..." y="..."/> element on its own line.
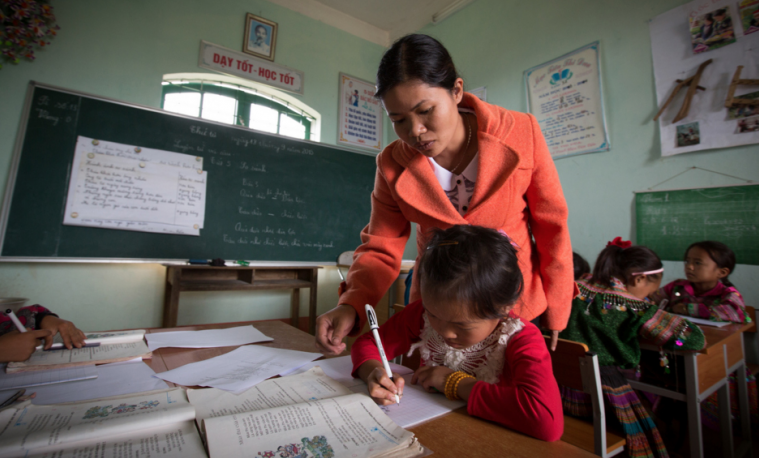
<point x="453" y="435"/>
<point x="707" y="371"/>
<point x="240" y="278"/>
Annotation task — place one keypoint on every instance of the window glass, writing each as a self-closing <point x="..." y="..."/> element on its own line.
<point x="291" y="127"/>
<point x="186" y="103"/>
<point x="229" y="104"/>
<point x="219" y="108"/>
<point x="263" y="118"/>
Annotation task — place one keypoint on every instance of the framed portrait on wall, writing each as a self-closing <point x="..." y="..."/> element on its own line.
<point x="260" y="37"/>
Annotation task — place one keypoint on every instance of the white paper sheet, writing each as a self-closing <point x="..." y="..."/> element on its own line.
<point x="119" y="186"/>
<point x="416" y="406"/>
<point x="240" y="369"/>
<point x="240" y="335"/>
<point x="113" y="380"/>
<point x="37" y="378"/>
<point x="701" y="321"/>
<point x="81" y="356"/>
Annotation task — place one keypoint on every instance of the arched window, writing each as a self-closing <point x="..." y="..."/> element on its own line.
<point x="244" y="103"/>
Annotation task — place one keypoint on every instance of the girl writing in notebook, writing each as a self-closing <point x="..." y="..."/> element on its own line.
<point x="473" y="346"/>
<point x="458" y="160"/>
<point x="706" y="292"/>
<point x="610" y="315"/>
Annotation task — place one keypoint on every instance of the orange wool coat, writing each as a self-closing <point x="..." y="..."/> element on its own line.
<point x="517" y="190"/>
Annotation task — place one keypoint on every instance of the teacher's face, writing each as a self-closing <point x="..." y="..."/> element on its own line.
<point x="425" y="117"/>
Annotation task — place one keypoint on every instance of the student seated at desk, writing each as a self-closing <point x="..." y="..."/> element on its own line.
<point x="707" y="292"/>
<point x="610" y="315"/>
<point x="473" y="347"/>
<point x="42" y="324"/>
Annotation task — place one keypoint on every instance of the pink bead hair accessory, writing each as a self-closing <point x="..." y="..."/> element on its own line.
<point x="620" y="243"/>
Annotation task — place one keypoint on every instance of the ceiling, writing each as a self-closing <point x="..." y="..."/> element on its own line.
<point x="378" y="21"/>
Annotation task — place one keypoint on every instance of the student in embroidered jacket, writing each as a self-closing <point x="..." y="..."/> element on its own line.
<point x="706" y="292"/>
<point x="610" y="315"/>
<point x="473" y="347"/>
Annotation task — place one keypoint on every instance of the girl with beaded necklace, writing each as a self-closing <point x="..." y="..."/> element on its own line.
<point x="610" y="315"/>
<point x="473" y="347"/>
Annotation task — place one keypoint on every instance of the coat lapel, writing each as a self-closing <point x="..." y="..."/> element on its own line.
<point x="418" y="187"/>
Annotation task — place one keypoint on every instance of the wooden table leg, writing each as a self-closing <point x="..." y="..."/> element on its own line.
<point x="295" y="308"/>
<point x="312" y="302"/>
<point x="171" y="297"/>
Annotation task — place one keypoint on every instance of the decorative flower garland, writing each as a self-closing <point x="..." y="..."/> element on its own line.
<point x="25" y="25"/>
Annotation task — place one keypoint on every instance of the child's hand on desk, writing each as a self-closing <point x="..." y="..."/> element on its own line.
<point x="680" y="308"/>
<point x="72" y="337"/>
<point x="432" y="377"/>
<point x="16" y="346"/>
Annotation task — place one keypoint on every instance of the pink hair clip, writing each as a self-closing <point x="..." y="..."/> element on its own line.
<point x="512" y="242"/>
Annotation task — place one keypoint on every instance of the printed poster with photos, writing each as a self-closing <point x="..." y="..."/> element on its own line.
<point x="360" y="114"/>
<point x="566" y="97"/>
<point x="684" y="38"/>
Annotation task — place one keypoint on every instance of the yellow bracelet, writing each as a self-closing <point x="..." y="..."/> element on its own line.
<point x="452" y="384"/>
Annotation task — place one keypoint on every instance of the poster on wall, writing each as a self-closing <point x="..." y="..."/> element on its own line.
<point x="566" y="96"/>
<point x="683" y="39"/>
<point x="360" y="114"/>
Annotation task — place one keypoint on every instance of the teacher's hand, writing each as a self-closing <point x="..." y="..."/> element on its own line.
<point x="332" y="327"/>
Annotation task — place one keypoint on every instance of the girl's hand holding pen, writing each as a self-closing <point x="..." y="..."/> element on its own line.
<point x="18" y="346"/>
<point x="381" y="388"/>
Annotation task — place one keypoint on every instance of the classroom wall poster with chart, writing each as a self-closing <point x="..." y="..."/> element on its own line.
<point x="360" y="114"/>
<point x="566" y="96"/>
<point x="725" y="31"/>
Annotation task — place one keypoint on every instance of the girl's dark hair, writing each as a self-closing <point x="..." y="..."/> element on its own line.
<point x="580" y="264"/>
<point x="720" y="253"/>
<point x="472" y="265"/>
<point x="621" y="263"/>
<point x="416" y="57"/>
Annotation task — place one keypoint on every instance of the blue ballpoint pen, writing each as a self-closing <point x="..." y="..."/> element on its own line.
<point x="372" y="317"/>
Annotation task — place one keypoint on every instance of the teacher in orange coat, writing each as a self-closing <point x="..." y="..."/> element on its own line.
<point x="458" y="161"/>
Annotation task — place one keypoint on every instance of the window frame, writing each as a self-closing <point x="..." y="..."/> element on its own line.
<point x="244" y="99"/>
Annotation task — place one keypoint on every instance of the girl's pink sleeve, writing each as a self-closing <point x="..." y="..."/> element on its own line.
<point x="397" y="335"/>
<point x="529" y="402"/>
<point x="730" y="307"/>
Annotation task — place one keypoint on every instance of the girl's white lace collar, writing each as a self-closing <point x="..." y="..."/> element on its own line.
<point x="484" y="360"/>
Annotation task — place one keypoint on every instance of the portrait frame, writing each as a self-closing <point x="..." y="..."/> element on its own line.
<point x="265" y="49"/>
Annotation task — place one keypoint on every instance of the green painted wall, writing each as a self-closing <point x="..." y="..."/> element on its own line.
<point x="494" y="41"/>
<point x="121" y="50"/>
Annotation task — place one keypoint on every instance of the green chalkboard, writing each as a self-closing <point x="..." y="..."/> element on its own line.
<point x="669" y="221"/>
<point x="329" y="188"/>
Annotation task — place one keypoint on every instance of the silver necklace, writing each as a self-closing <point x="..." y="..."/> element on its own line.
<point x="466" y="148"/>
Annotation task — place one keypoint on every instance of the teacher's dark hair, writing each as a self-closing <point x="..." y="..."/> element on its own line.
<point x="474" y="266"/>
<point x="416" y="57"/>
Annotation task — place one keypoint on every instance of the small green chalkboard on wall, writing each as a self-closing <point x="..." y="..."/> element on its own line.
<point x="669" y="221"/>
